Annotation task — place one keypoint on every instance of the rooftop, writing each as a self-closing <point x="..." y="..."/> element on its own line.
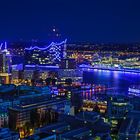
<point x="37" y="104"/>
<point x="88" y="116"/>
<point x="76" y="133"/>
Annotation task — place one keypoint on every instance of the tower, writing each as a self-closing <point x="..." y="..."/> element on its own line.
<point x="5" y="64"/>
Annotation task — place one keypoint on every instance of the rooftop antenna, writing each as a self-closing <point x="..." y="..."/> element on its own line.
<point x="1" y="46"/>
<point x="5" y="44"/>
<point x="5" y="47"/>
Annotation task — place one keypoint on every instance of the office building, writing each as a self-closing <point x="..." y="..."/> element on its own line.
<point x="35" y="113"/>
<point x="117" y="109"/>
<point x="5" y="60"/>
<point x="76" y="99"/>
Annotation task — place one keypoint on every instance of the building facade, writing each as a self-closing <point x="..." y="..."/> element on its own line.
<point x="46" y="55"/>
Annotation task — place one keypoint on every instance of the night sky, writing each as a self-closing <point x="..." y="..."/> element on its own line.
<point x="77" y="20"/>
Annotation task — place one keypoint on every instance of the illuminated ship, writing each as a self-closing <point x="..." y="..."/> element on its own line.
<point x="134" y="90"/>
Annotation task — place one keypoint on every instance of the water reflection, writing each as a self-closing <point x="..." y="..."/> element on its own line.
<point x="118" y="81"/>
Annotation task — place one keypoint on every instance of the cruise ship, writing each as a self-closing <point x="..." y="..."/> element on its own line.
<point x="134" y="90"/>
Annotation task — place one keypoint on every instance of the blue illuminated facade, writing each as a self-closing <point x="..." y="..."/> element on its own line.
<point x="51" y="54"/>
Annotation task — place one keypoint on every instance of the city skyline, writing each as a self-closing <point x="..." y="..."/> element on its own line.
<point x="69" y="70"/>
<point x="78" y="21"/>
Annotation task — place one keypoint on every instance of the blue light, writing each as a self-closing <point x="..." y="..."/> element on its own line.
<point x="54" y="50"/>
<point x="3" y="46"/>
<point x="33" y="66"/>
<point x="47" y="47"/>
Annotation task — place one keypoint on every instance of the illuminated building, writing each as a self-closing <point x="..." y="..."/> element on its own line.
<point x="3" y="119"/>
<point x="33" y="74"/>
<point x="4" y="114"/>
<point x="6" y="101"/>
<point x="75" y="74"/>
<point x="99" y="55"/>
<point x="17" y="76"/>
<point x="5" y="60"/>
<point x="75" y="95"/>
<point x="5" y="78"/>
<point x="47" y="55"/>
<point x="5" y="64"/>
<point x="117" y="109"/>
<point x="68" y="70"/>
<point x="36" y="112"/>
<point x="118" y="106"/>
<point x="98" y="106"/>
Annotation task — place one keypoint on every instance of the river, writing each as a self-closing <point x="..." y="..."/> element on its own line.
<point x="116" y="80"/>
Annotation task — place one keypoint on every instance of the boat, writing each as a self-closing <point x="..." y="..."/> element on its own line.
<point x="134" y="90"/>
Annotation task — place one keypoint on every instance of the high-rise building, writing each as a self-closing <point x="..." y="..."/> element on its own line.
<point x="5" y="64"/>
<point x="75" y="96"/>
<point x="117" y="110"/>
<point x="1" y="62"/>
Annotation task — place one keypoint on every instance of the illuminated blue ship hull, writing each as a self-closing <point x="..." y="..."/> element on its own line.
<point x="134" y="90"/>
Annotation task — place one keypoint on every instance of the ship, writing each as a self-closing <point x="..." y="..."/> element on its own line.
<point x="134" y="90"/>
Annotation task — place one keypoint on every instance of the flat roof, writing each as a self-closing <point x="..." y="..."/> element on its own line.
<point x="54" y="127"/>
<point x="76" y="133"/>
<point x="88" y="116"/>
<point x="37" y="104"/>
